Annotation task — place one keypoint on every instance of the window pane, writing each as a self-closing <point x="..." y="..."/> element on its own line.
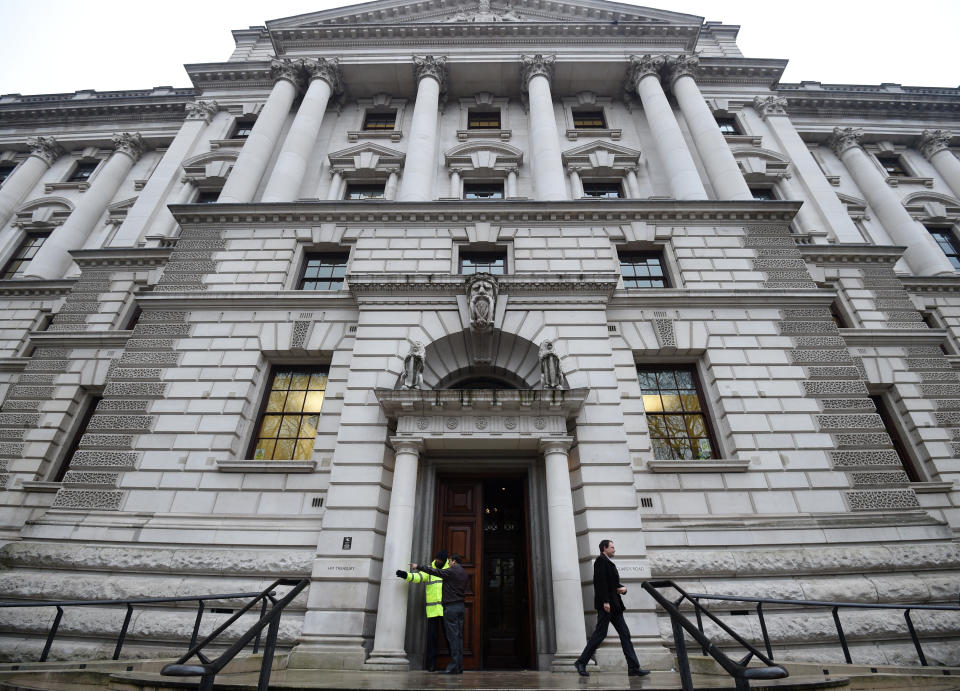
<point x="382" y="120"/>
<point x="484" y="120"/>
<point x="675" y="418"/>
<point x="17" y="265"/>
<point x="264" y="449"/>
<point x="484" y="190"/>
<point x="589" y="119"/>
<point x="304" y="450"/>
<point x="948" y="243"/>
<point x="284" y="449"/>
<point x="298" y="394"/>
<point x="323" y="272"/>
<point x="313" y="402"/>
<point x="642" y="270"/>
<point x="270" y="426"/>
<point x="483" y="262"/>
<point x="294" y="402"/>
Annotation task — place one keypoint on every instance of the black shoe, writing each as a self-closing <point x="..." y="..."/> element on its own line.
<point x="638" y="672"/>
<point x="581" y="668"/>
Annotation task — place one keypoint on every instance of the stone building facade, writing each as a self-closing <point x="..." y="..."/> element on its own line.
<point x="505" y="278"/>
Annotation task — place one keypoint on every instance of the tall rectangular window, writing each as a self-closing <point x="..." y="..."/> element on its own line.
<point x="676" y="416"/>
<point x="643" y="270"/>
<point x="483" y="262"/>
<point x="483" y="190"/>
<point x="323" y="272"/>
<point x="380" y="120"/>
<point x="762" y="193"/>
<point x="483" y="119"/>
<point x="28" y="248"/>
<point x="83" y="171"/>
<point x="5" y="170"/>
<point x="728" y="125"/>
<point x="603" y="190"/>
<point x="291" y="412"/>
<point x="90" y="406"/>
<point x="898" y="444"/>
<point x="948" y="243"/>
<point x="365" y="191"/>
<point x="589" y="119"/>
<point x="243" y="128"/>
<point x="893" y="166"/>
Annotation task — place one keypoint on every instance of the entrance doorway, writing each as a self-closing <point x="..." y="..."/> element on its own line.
<point x="485" y="519"/>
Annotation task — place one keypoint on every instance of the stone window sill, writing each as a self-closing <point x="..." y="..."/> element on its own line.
<point x="392" y="135"/>
<point x="40" y="486"/>
<point x="833" y="180"/>
<point x="55" y="186"/>
<point x="267" y="466"/>
<point x="931" y="487"/>
<point x="748" y="139"/>
<point x="895" y="181"/>
<point x="464" y="135"/>
<point x="227" y="143"/>
<point x="710" y="465"/>
<point x="575" y="133"/>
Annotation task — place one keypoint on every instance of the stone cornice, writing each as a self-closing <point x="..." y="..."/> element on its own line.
<point x="397" y="402"/>
<point x="29" y="288"/>
<point x="14" y="364"/>
<point x="87" y="106"/>
<point x="276" y="300"/>
<point x="932" y="284"/>
<point x="513" y="284"/>
<point x="81" y="339"/>
<point x="893" y="337"/>
<point x="121" y="257"/>
<point x="851" y="254"/>
<point x="679" y="298"/>
<point x="576" y="212"/>
<point x="813" y="98"/>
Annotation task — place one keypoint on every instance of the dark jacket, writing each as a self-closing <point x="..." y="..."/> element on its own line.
<point x="454" y="582"/>
<point x="606" y="580"/>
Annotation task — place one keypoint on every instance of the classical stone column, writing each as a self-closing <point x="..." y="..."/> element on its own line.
<point x="185" y="195"/>
<point x="53" y="259"/>
<point x="644" y="78"/>
<point x="420" y="165"/>
<point x="390" y="189"/>
<point x="923" y="254"/>
<point x="633" y="185"/>
<point x="257" y="150"/>
<point x="336" y="182"/>
<point x="576" y="184"/>
<point x="934" y="145"/>
<point x="511" y="183"/>
<point x="564" y="556"/>
<point x="287" y="176"/>
<point x="454" y="183"/>
<point x="150" y="209"/>
<point x="388" y="650"/>
<point x="548" y="182"/>
<point x="43" y="152"/>
<point x="805" y="218"/>
<point x="722" y="168"/>
<point x="816" y="192"/>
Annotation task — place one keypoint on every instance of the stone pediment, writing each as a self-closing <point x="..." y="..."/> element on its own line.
<point x="368" y="155"/>
<point x="601" y="155"/>
<point x="484" y="12"/>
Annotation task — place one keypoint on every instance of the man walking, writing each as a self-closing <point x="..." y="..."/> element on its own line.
<point x="434" y="607"/>
<point x="454" y="587"/>
<point x="606" y="598"/>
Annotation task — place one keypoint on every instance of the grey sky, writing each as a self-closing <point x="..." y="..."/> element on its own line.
<point x="53" y="46"/>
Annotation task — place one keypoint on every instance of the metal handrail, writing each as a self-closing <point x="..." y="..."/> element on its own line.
<point x="129" y="604"/>
<point x="739" y="670"/>
<point x="835" y="611"/>
<point x="269" y="619"/>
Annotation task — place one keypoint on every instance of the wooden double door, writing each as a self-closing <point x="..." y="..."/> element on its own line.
<point x="485" y="519"/>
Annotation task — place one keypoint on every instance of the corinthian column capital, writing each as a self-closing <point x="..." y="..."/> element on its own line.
<point x="643" y="66"/>
<point x="45" y="148"/>
<point x="327" y="69"/>
<point x="682" y="66"/>
<point x="202" y="110"/>
<point x="431" y="66"/>
<point x="285" y="68"/>
<point x="536" y="66"/>
<point x="934" y="141"/>
<point x="844" y="138"/>
<point x="130" y="144"/>
<point x="770" y="105"/>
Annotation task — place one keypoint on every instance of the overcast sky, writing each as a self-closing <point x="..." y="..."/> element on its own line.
<point x="55" y="46"/>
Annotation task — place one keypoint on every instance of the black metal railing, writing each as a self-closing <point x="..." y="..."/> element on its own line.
<point x="208" y="669"/>
<point x="740" y="670"/>
<point x="129" y="604"/>
<point x="834" y="608"/>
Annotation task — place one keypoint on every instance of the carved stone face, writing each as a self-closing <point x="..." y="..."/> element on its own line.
<point x="481" y="289"/>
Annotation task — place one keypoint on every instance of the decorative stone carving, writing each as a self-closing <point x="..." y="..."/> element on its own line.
<point x="770" y="105"/>
<point x="285" y="68"/>
<point x="482" y="290"/>
<point x="299" y="336"/>
<point x="933" y="141"/>
<point x="131" y="144"/>
<point x="413" y="367"/>
<point x="45" y="148"/>
<point x="550" y="374"/>
<point x="202" y="110"/>
<point x="327" y="69"/>
<point x="845" y="137"/>
<point x="484" y="13"/>
<point x="536" y="66"/>
<point x="643" y="66"/>
<point x="431" y="66"/>
<point x="682" y="66"/>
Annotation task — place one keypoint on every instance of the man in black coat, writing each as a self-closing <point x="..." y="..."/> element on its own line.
<point x="606" y="598"/>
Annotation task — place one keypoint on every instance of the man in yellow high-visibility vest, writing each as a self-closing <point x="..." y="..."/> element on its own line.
<point x="434" y="593"/>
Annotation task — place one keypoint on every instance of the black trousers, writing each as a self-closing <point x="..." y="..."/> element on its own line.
<point x="604" y="619"/>
<point x="433" y="641"/>
<point x="453" y="627"/>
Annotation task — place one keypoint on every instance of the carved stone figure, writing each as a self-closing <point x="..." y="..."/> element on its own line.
<point x="550" y="375"/>
<point x="482" y="292"/>
<point x="413" y="367"/>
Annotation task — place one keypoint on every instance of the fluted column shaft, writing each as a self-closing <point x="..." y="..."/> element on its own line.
<point x="934" y="145"/>
<point x="721" y="166"/>
<point x="922" y="254"/>
<point x="564" y="555"/>
<point x="671" y="148"/>
<point x="548" y="179"/>
<point x="392" y="606"/>
<point x="44" y="151"/>
<point x="257" y="150"/>
<point x="53" y="259"/>
<point x="291" y="165"/>
<point x="416" y="185"/>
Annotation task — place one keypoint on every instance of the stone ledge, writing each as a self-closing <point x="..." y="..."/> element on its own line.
<point x="250" y="466"/>
<point x="928" y="487"/>
<point x="712" y="465"/>
<point x="40" y="486"/>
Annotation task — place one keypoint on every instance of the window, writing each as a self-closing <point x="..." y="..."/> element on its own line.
<point x="134" y="317"/>
<point x="90" y="405"/>
<point x="483" y="190"/>
<point x="25" y="252"/>
<point x="948" y="243"/>
<point x="323" y="272"/>
<point x="898" y="445"/>
<point x="893" y="166"/>
<point x="589" y="120"/>
<point x="728" y="125"/>
<point x="838" y="316"/>
<point x="5" y="170"/>
<point x="380" y="120"/>
<point x="291" y="413"/>
<point x="603" y="190"/>
<point x="675" y="414"/>
<point x="762" y="193"/>
<point x="364" y="191"/>
<point x="483" y="120"/>
<point x="207" y="197"/>
<point x="83" y="171"/>
<point x="483" y="262"/>
<point x="243" y="128"/>
<point x="643" y="270"/>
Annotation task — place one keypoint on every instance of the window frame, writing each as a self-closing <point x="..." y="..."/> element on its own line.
<point x="577" y="113"/>
<point x="659" y="253"/>
<point x="240" y="125"/>
<point x="730" y="122"/>
<point x="81" y="421"/>
<point x="380" y="185"/>
<point x="264" y="402"/>
<point x="769" y="190"/>
<point x="92" y="166"/>
<point x="374" y="111"/>
<point x="21" y="247"/>
<point x="705" y="412"/>
<point x="899" y="162"/>
<point x="949" y="232"/>
<point x="474" y="114"/>
<point x="499" y="252"/>
<point x="621" y="190"/>
<point x="499" y="184"/>
<point x="895" y="429"/>
<point x="305" y="262"/>
<point x="10" y="167"/>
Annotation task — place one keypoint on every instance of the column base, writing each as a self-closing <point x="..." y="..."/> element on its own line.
<point x="387" y="661"/>
<point x="327" y="655"/>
